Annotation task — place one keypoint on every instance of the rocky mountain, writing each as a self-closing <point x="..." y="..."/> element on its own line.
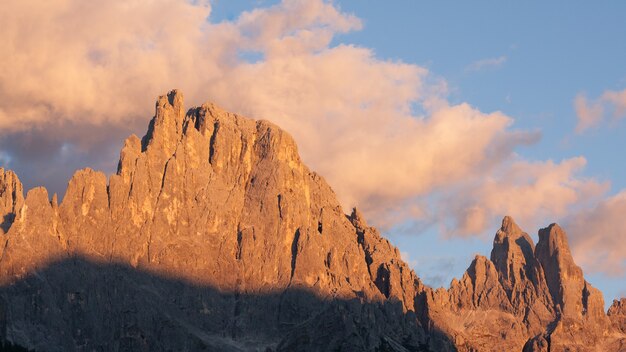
<point x="213" y="235"/>
<point x="525" y="298"/>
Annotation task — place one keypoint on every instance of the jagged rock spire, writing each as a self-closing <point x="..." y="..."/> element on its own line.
<point x="617" y="314"/>
<point x="512" y="253"/>
<point x="574" y="298"/>
<point x="568" y="287"/>
<point x="564" y="278"/>
<point x="166" y="126"/>
<point x="11" y="198"/>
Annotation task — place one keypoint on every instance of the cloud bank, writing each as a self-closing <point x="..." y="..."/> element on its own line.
<point x="77" y="76"/>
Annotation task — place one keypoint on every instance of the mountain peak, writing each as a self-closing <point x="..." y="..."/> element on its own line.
<point x="256" y="252"/>
<point x="174" y="98"/>
<point x="574" y="298"/>
<point x="166" y="127"/>
<point x="512" y="254"/>
<point x="509" y="226"/>
<point x="218" y="200"/>
<point x="554" y="253"/>
<point x="553" y="239"/>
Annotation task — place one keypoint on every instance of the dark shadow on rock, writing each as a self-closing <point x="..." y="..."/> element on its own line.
<point x="80" y="305"/>
<point x="7" y="221"/>
<point x="9" y="347"/>
<point x="527" y="248"/>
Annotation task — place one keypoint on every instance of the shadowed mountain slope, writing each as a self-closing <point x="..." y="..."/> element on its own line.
<point x="214" y="235"/>
<point x="115" y="307"/>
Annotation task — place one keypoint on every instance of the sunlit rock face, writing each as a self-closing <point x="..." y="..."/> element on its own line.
<point x="213" y="235"/>
<point x="223" y="206"/>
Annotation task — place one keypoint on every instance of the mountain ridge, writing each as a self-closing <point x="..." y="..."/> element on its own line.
<point x="218" y="200"/>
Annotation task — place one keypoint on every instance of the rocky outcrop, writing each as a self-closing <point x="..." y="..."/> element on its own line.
<point x="581" y="320"/>
<point x="617" y="314"/>
<point x="214" y="235"/>
<point x="11" y="198"/>
<point x="524" y="298"/>
<point x="520" y="273"/>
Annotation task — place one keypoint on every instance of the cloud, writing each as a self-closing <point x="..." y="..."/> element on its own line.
<point x="588" y="115"/>
<point x="592" y="113"/>
<point x="77" y="76"/>
<point x="597" y="236"/>
<point x="494" y="62"/>
<point x="523" y="189"/>
<point x="618" y="100"/>
<point x="49" y="157"/>
<point x="72" y="71"/>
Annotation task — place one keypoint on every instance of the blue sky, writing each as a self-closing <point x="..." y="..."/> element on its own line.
<point x="552" y="51"/>
<point x="439" y="117"/>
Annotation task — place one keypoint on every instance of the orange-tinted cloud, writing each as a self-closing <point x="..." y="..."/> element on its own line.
<point x="380" y="131"/>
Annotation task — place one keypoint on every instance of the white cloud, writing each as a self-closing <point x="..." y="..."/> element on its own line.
<point x="494" y="62"/>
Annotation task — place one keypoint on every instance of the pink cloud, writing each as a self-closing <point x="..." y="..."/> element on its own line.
<point x="597" y="236"/>
<point x="591" y="114"/>
<point x="536" y="192"/>
<point x="618" y="100"/>
<point x="83" y="66"/>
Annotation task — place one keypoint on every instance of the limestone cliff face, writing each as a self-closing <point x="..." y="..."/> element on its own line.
<point x="214" y="235"/>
